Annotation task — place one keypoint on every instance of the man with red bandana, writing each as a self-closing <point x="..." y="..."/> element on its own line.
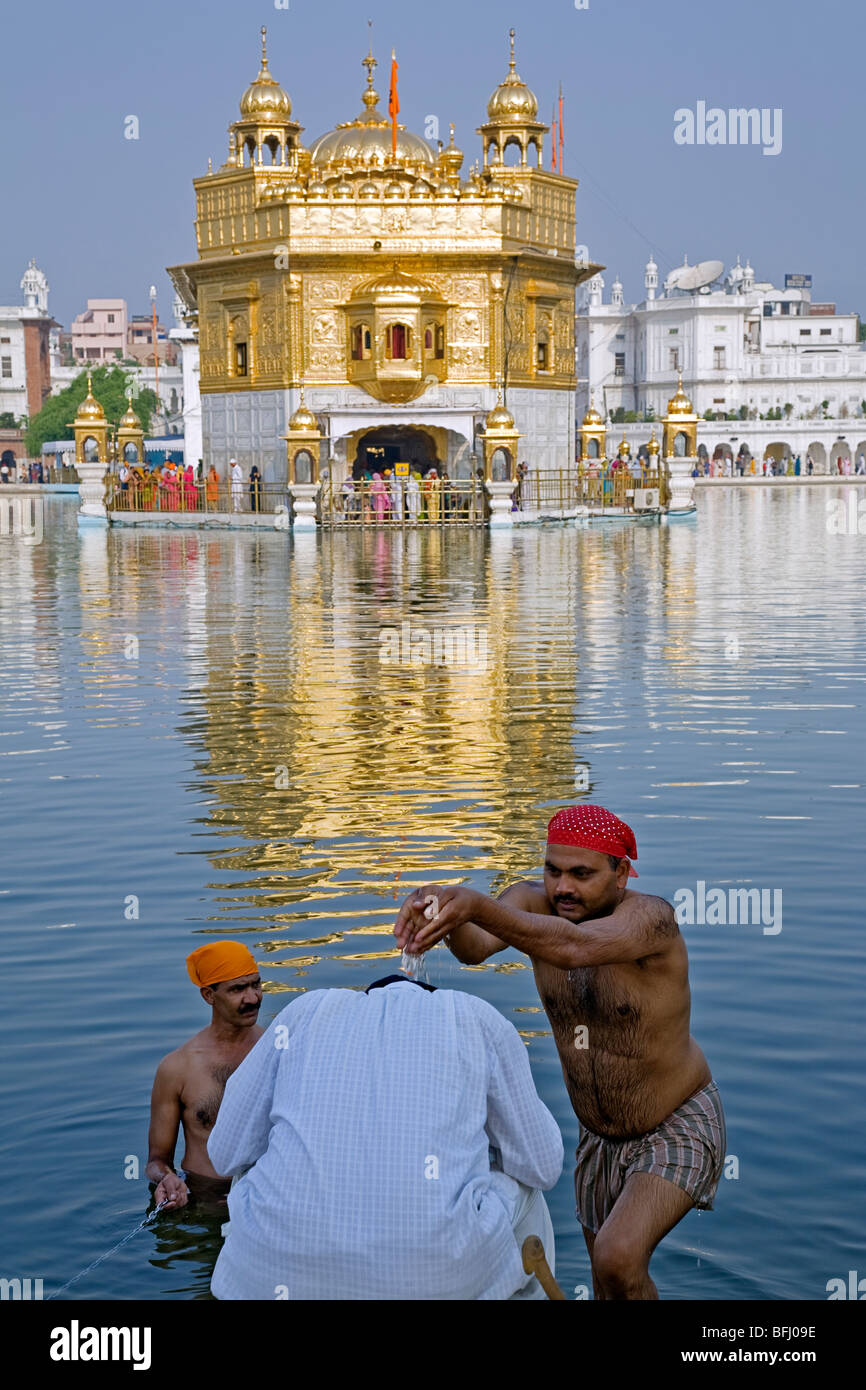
<point x="612" y="971"/>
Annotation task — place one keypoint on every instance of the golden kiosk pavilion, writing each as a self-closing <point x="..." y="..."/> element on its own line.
<point x="397" y="294"/>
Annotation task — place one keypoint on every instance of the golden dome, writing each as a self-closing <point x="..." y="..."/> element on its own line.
<point x="500" y="417"/>
<point x="624" y="448"/>
<point x="421" y="189"/>
<point x="342" y="189"/>
<point x="653" y="446"/>
<point x="368" y="189"/>
<point x="512" y="101"/>
<point x="264" y="99"/>
<point x="129" y="420"/>
<point x="303" y="419"/>
<point x="90" y="409"/>
<point x="366" y="142"/>
<point x="680" y="403"/>
<point x="592" y="416"/>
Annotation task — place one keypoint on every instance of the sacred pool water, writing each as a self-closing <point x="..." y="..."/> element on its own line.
<point x="234" y="733"/>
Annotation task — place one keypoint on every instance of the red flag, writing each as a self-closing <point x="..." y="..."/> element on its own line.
<point x="561" y="133"/>
<point x="553" y="140"/>
<point x="393" y="104"/>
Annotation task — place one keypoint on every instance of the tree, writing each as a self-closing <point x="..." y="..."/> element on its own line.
<point x="789" y="410"/>
<point x="110" y="386"/>
<point x="7" y="420"/>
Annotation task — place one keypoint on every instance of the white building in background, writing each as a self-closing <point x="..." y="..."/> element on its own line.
<point x="185" y="334"/>
<point x="28" y="342"/>
<point x="744" y="348"/>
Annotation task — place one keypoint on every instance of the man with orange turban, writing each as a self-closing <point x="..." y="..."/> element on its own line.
<point x="612" y="971"/>
<point x="190" y="1081"/>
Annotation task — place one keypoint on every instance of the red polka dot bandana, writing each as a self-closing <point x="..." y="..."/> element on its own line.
<point x="592" y="827"/>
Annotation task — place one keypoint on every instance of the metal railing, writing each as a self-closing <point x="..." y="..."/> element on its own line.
<point x="437" y="502"/>
<point x="586" y="486"/>
<point x="152" y="494"/>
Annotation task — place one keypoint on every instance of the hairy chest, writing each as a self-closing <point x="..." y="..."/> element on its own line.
<point x="603" y="997"/>
<point x="203" y="1093"/>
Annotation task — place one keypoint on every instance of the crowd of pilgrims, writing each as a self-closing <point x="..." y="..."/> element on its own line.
<point x="174" y="487"/>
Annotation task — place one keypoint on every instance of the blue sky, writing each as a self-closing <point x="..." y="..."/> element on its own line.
<point x="104" y="215"/>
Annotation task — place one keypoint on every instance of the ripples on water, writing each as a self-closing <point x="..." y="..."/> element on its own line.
<point x="197" y="736"/>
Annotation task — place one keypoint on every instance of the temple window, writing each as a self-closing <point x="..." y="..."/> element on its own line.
<point x="90" y="449"/>
<point x="398" y="342"/>
<point x="541" y="355"/>
<point x="592" y="448"/>
<point x="361" y="342"/>
<point x="240" y="359"/>
<point x="130" y="452"/>
<point x="440" y="341"/>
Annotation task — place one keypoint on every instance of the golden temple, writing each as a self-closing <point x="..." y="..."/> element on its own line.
<point x="400" y="292"/>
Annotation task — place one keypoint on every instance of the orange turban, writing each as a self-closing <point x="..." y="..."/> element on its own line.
<point x="218" y="961"/>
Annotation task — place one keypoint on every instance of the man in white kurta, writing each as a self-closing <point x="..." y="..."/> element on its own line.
<point x="237" y="486"/>
<point x="369" y="1119"/>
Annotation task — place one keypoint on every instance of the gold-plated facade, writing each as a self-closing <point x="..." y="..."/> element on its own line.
<point x="295" y="246"/>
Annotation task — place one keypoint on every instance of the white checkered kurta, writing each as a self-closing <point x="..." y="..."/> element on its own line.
<point x="368" y="1118"/>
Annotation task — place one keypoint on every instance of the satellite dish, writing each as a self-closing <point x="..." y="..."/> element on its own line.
<point x="693" y="277"/>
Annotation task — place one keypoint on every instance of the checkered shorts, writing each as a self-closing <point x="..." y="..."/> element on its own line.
<point x="687" y="1149"/>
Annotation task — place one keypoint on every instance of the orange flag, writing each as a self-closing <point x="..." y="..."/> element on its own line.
<point x="561" y="133"/>
<point x="393" y="104"/>
<point x="553" y="140"/>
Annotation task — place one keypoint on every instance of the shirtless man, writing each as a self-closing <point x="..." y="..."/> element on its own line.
<point x="612" y="972"/>
<point x="190" y="1081"/>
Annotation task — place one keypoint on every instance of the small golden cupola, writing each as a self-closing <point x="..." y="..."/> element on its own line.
<point x="265" y="135"/>
<point x="451" y="160"/>
<point x="500" y="443"/>
<point x="512" y="119"/>
<point x="680" y="437"/>
<point x="593" y="436"/>
<point x="90" y="428"/>
<point x="304" y="445"/>
<point x="130" y="435"/>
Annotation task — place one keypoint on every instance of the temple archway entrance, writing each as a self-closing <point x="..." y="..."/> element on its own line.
<point x="381" y="448"/>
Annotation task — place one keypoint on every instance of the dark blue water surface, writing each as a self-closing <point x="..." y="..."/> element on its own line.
<point x="705" y="680"/>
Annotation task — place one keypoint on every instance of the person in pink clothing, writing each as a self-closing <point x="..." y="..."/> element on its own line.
<point x="379" y="497"/>
<point x="189" y="490"/>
